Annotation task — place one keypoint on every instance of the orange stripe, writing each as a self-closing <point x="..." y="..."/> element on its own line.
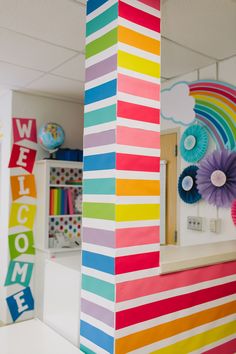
<point x="165" y="330"/>
<point x="129" y="187"/>
<point x="138" y="40"/>
<point x="215" y="95"/>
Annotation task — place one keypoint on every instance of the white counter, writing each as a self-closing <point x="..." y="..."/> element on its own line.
<point x="176" y="258"/>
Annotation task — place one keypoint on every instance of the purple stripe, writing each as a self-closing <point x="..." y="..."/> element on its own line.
<point x="99" y="237"/>
<point x="103" y="67"/>
<point x="212" y="129"/>
<point x="98" y="312"/>
<point x="98" y="139"/>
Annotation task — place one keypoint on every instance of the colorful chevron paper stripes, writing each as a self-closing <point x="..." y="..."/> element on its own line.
<point x="127" y="306"/>
<point x="215" y="107"/>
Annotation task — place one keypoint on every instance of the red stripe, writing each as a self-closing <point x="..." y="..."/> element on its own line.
<point x="156" y="284"/>
<point x="216" y="85"/>
<point x="126" y="264"/>
<point x="139" y="17"/>
<point x="152" y="3"/>
<point x="128" y="162"/>
<point x="138" y="112"/>
<point x="221" y="92"/>
<point x="226" y="348"/>
<point x="163" y="307"/>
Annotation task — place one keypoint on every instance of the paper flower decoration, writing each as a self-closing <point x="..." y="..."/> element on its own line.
<point x="216" y="178"/>
<point x="187" y="185"/>
<point x="194" y="143"/>
<point x="233" y="212"/>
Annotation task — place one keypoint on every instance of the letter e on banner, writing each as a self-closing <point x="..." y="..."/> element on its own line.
<point x="20" y="302"/>
<point x="22" y="157"/>
<point x="24" y="129"/>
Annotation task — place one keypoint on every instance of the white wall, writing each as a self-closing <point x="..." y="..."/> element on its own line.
<point x="5" y="146"/>
<point x="68" y="114"/>
<point x="226" y="72"/>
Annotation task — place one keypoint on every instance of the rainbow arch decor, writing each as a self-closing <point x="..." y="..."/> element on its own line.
<point x="210" y="103"/>
<point x="126" y="305"/>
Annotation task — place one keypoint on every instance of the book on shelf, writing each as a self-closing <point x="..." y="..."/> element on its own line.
<point x="61" y="202"/>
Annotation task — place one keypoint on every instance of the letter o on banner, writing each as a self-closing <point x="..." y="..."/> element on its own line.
<point x="18" y="246"/>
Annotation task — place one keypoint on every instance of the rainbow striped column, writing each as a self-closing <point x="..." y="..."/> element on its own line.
<point x="121" y="164"/>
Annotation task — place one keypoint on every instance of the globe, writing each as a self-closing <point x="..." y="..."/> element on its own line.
<point x="51" y="136"/>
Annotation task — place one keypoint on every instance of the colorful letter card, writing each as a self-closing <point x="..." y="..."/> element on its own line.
<point x="21" y="243"/>
<point x="22" y="215"/>
<point x="23" y="186"/>
<point x="20" y="302"/>
<point x="19" y="273"/>
<point x="24" y="129"/>
<point x="23" y="157"/>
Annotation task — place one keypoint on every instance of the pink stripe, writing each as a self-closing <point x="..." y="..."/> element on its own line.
<point x="137" y="137"/>
<point x="152" y="3"/>
<point x="226" y="348"/>
<point x="135" y="236"/>
<point x="214" y="85"/>
<point x="156" y="284"/>
<point x="138" y="87"/>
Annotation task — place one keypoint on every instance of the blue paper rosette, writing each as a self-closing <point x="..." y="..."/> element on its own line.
<point x="187" y="187"/>
<point x="194" y="143"/>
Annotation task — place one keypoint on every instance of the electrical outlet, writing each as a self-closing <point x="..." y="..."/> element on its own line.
<point x="194" y="223"/>
<point x="214" y="225"/>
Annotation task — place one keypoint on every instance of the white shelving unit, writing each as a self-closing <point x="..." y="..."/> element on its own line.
<point x="56" y="174"/>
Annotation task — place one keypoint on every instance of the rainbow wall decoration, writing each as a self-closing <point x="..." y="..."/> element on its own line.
<point x="215" y="107"/>
<point x="126" y="305"/>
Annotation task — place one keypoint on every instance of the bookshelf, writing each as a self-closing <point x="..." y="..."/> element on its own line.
<point x="59" y="207"/>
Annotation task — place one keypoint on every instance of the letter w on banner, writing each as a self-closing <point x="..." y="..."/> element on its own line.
<point x="24" y="129"/>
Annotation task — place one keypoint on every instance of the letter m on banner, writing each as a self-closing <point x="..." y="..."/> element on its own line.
<point x="24" y="129"/>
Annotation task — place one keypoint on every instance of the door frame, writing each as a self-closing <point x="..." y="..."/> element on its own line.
<point x="176" y="131"/>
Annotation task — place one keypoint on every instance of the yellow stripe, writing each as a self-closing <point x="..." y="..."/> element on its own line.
<point x="200" y="340"/>
<point x="134" y="212"/>
<point x="138" y="64"/>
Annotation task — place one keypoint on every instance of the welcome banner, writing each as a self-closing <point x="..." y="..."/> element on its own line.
<point x="22" y="217"/>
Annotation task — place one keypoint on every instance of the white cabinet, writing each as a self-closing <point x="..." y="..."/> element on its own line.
<point x="59" y="207"/>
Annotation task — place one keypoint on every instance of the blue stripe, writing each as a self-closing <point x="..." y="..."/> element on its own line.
<point x="97" y="336"/>
<point x="98" y="261"/>
<point x="93" y="5"/>
<point x="101" y="92"/>
<point x="214" y="122"/>
<point x="100" y="162"/>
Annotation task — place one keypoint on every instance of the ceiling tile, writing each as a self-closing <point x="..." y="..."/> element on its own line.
<point x="73" y="69"/>
<point x="58" y="21"/>
<point x="58" y="87"/>
<point x="207" y="26"/>
<point x="176" y="60"/>
<point x="14" y="76"/>
<point x="24" y="51"/>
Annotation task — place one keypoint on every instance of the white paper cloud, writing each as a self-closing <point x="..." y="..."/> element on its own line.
<point x="177" y="105"/>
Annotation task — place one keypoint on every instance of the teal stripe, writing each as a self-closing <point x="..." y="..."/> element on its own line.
<point x="100" y="116"/>
<point x="86" y="350"/>
<point x="102" y="20"/>
<point x="99" y="186"/>
<point x="98" y="287"/>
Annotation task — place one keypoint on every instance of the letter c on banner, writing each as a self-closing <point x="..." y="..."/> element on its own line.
<point x="20" y="218"/>
<point x="17" y="243"/>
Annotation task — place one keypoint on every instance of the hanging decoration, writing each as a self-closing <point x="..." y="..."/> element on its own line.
<point x="187" y="185"/>
<point x="233" y="212"/>
<point x="216" y="178"/>
<point x="194" y="143"/>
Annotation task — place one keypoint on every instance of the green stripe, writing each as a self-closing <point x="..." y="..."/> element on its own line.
<point x="104" y="211"/>
<point x="102" y="43"/>
<point x="98" y="287"/>
<point x="100" y="116"/>
<point x="86" y="350"/>
<point x="102" y="20"/>
<point x="99" y="186"/>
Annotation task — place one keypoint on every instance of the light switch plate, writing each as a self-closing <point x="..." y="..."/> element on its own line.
<point x="195" y="223"/>
<point x="214" y="225"/>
